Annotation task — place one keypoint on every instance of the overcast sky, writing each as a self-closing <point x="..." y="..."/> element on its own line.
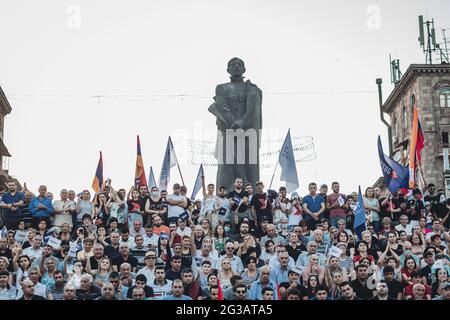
<point x="316" y="63"/>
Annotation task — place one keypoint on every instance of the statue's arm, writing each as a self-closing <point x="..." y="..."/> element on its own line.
<point x="253" y="110"/>
<point x="220" y="109"/>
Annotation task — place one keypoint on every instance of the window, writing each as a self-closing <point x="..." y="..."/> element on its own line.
<point x="444" y="97"/>
<point x="405" y="118"/>
<point x="394" y="129"/>
<point x="445" y="139"/>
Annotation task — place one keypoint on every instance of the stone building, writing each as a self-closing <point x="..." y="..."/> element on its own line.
<point x="429" y="86"/>
<point x="5" y="109"/>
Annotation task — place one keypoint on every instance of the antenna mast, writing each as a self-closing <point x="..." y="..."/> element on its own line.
<point x="396" y="74"/>
<point x="428" y="41"/>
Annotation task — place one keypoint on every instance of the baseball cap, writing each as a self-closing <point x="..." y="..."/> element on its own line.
<point x="446" y="285"/>
<point x="295" y="270"/>
<point x="294" y="195"/>
<point x="259" y="182"/>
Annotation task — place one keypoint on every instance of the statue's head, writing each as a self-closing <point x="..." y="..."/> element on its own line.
<point x="236" y="67"/>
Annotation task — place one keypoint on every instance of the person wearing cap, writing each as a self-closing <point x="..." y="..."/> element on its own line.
<point x="445" y="292"/>
<point x="294" y="276"/>
<point x="313" y="206"/>
<point x="150" y="265"/>
<point x="224" y="205"/>
<point x="176" y="204"/>
<point x="294" y="212"/>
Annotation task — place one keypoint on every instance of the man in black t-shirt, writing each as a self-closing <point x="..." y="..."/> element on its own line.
<point x="238" y="203"/>
<point x="293" y="277"/>
<point x="261" y="205"/>
<point x="425" y="272"/>
<point x="395" y="286"/>
<point x="359" y="285"/>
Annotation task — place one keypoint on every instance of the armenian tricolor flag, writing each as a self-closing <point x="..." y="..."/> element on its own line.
<point x="416" y="145"/>
<point x="97" y="184"/>
<point x="139" y="177"/>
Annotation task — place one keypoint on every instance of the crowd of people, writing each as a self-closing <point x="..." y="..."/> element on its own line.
<point x="240" y="244"/>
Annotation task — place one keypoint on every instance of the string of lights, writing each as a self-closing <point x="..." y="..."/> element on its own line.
<point x="59" y="99"/>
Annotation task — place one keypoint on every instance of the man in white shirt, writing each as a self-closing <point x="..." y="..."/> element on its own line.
<point x="404" y="226"/>
<point x="63" y="210"/>
<point x="39" y="288"/>
<point x="150" y="239"/>
<point x="176" y="204"/>
<point x="137" y="229"/>
<point x="236" y="262"/>
<point x="35" y="251"/>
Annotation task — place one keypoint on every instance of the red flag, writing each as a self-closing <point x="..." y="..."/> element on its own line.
<point x="416" y="144"/>
<point x="139" y="176"/>
<point x="220" y="293"/>
<point x="97" y="184"/>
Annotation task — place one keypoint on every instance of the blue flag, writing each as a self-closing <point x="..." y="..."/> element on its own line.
<point x="360" y="216"/>
<point x="184" y="215"/>
<point x="198" y="182"/>
<point x="151" y="179"/>
<point x="395" y="175"/>
<point x="170" y="161"/>
<point x="287" y="164"/>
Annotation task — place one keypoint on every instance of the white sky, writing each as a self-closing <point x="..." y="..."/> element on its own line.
<point x="147" y="48"/>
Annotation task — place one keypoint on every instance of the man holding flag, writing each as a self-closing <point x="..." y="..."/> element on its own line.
<point x="170" y="161"/>
<point x="139" y="176"/>
<point x="395" y="175"/>
<point x="359" y="224"/>
<point x="286" y="160"/>
<point x="416" y="145"/>
<point x="97" y="184"/>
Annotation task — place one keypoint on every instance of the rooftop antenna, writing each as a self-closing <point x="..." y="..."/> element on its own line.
<point x="396" y="74"/>
<point x="427" y="40"/>
<point x="445" y="45"/>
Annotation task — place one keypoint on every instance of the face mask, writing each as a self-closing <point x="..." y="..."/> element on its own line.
<point x="227" y="229"/>
<point x="155" y="194"/>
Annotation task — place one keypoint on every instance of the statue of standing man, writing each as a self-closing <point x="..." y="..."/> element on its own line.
<point x="237" y="108"/>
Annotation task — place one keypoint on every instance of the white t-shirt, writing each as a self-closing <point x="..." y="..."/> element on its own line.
<point x="150" y="275"/>
<point x="407" y="229"/>
<point x="294" y="217"/>
<point x="186" y="232"/>
<point x="151" y="241"/>
<point x="66" y="217"/>
<point x="175" y="211"/>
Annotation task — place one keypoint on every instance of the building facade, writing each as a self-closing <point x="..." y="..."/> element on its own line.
<point x="427" y="86"/>
<point x="5" y="109"/>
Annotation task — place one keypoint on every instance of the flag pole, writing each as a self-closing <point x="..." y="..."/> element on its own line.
<point x="179" y="170"/>
<point x="273" y="176"/>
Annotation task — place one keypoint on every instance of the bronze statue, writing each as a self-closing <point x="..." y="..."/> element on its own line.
<point x="237" y="108"/>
